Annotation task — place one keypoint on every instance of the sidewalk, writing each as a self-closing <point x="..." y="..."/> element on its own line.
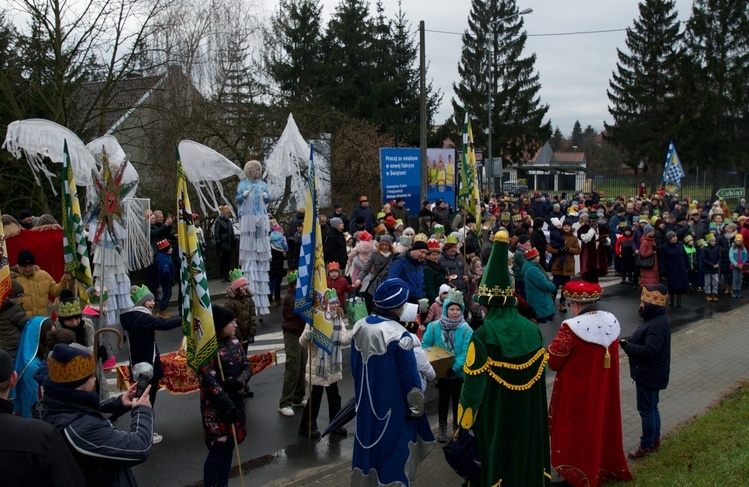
<point x="707" y="360"/>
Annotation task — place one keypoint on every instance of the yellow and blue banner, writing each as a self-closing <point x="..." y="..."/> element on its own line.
<point x="197" y="317"/>
<point x="309" y="301"/>
<point x="673" y="171"/>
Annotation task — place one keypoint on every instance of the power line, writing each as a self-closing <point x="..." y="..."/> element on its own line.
<point x="553" y="34"/>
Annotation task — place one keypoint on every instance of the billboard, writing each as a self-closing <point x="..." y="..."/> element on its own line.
<point x="401" y="176"/>
<point x="441" y="175"/>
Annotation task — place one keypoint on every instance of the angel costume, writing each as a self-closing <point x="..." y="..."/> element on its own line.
<point x="254" y="239"/>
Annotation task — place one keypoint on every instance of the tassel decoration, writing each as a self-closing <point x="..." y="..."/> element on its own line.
<point x="607" y="359"/>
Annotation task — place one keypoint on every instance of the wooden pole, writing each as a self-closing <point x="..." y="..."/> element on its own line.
<point x="309" y="396"/>
<point x="233" y="428"/>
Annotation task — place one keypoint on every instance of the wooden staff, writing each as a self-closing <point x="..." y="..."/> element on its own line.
<point x="233" y="427"/>
<point x="309" y="396"/>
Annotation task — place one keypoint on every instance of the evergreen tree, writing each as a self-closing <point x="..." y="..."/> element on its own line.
<point x="557" y="141"/>
<point x="642" y="91"/>
<point x="517" y="114"/>
<point x="716" y="75"/>
<point x="576" y="137"/>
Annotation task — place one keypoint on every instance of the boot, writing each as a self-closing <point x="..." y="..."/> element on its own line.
<point x="639" y="452"/>
<point x="442" y="434"/>
<point x="678" y="301"/>
<point x="563" y="307"/>
<point x="727" y="289"/>
<point x="657" y="444"/>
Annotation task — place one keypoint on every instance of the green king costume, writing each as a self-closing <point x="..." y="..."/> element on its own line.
<point x="504" y="394"/>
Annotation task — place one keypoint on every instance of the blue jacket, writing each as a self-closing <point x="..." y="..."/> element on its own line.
<point x="103" y="453"/>
<point x="539" y="291"/>
<point x="365" y="213"/>
<point x="165" y="267"/>
<point x="433" y="337"/>
<point x="673" y="264"/>
<point x="733" y="256"/>
<point x="710" y="256"/>
<point x="649" y="351"/>
<point x="411" y="271"/>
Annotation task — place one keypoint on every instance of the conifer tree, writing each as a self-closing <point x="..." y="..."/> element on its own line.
<point x="643" y="88"/>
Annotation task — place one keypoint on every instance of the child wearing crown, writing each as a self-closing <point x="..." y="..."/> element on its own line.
<point x="239" y="300"/>
<point x="165" y="269"/>
<point x="326" y="369"/>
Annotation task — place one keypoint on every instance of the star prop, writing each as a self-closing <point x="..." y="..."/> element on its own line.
<point x="111" y="191"/>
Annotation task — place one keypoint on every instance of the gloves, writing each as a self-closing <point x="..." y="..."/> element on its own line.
<point x="562" y="250"/>
<point x="245" y="194"/>
<point x="231" y="386"/>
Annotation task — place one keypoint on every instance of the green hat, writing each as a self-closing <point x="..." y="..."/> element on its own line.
<point x="68" y="308"/>
<point x="380" y="215"/>
<point x="292" y="276"/>
<point x="688" y="239"/>
<point x="496" y="288"/>
<point x="331" y="295"/>
<point x="623" y="224"/>
<point x="235" y="274"/>
<point x="709" y="237"/>
<point x="140" y="295"/>
<point x="701" y="242"/>
<point x="437" y="228"/>
<point x="96" y="298"/>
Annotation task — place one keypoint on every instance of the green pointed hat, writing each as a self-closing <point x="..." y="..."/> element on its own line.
<point x="495" y="289"/>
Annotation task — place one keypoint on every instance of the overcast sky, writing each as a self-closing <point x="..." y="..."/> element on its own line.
<point x="574" y="69"/>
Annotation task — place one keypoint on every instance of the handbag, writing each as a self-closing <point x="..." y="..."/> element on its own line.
<point x="355" y="308"/>
<point x="646" y="262"/>
<point x="463" y="455"/>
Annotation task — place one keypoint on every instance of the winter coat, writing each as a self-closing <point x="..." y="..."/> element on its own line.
<point x="472" y="242"/>
<point x="649" y="352"/>
<point x="442" y="216"/>
<point x="517" y="265"/>
<point x="291" y="323"/>
<point x="317" y="353"/>
<point x="710" y="256"/>
<point x="433" y="337"/>
<point x="37" y="289"/>
<point x="647" y="248"/>
<point x="454" y="266"/>
<point x="734" y="256"/>
<point x="84" y="332"/>
<point x="363" y="250"/>
<point x="377" y="267"/>
<point x="365" y="213"/>
<point x="12" y="320"/>
<point x="165" y="267"/>
<point x="34" y="453"/>
<point x="222" y="401"/>
<point x="342" y="216"/>
<point x="341" y="286"/>
<point x="538" y="242"/>
<point x="243" y="307"/>
<point x="539" y="291"/>
<point x="724" y="244"/>
<point x="434" y="277"/>
<point x="335" y="248"/>
<point x="673" y="266"/>
<point x="103" y="453"/>
<point x="277" y="259"/>
<point x="568" y="264"/>
<point x="141" y="327"/>
<point x="411" y="271"/>
<point x="223" y="235"/>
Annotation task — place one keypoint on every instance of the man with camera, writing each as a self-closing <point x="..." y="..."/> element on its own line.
<point x="71" y="404"/>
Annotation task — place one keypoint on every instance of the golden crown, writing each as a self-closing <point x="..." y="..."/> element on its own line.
<point x="77" y="369"/>
<point x="68" y="308"/>
<point x="653" y="297"/>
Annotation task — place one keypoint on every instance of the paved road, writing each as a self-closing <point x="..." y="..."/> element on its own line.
<point x="275" y="454"/>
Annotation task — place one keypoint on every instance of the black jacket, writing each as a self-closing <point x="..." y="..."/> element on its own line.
<point x="649" y="351"/>
<point x="141" y="328"/>
<point x="223" y="235"/>
<point x="33" y="453"/>
<point x="335" y="248"/>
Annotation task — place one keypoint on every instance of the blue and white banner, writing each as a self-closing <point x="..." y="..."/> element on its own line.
<point x="401" y="177"/>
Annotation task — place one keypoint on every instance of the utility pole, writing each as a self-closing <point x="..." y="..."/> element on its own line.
<point x="423" y="112"/>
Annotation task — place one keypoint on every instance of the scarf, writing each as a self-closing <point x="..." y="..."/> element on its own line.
<point x="386" y="254"/>
<point x="336" y="358"/>
<point x="278" y="241"/>
<point x="65" y="393"/>
<point x="448" y="330"/>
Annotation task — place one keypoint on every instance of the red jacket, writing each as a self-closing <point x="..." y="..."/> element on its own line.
<point x="341" y="287"/>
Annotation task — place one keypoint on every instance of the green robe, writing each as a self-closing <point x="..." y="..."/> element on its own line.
<point x="507" y="407"/>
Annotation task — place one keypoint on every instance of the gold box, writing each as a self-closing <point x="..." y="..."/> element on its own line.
<point x="441" y="360"/>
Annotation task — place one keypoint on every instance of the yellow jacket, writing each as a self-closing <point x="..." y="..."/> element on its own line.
<point x="36" y="291"/>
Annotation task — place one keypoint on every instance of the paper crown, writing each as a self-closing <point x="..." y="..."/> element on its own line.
<point x="96" y="297"/>
<point x="331" y="295"/>
<point x="437" y="228"/>
<point x="434" y="246"/>
<point x="334" y="266"/>
<point x="380" y="216"/>
<point x="656" y="295"/>
<point x="531" y="253"/>
<point x="293" y="276"/>
<point x="68" y="308"/>
<point x="688" y="239"/>
<point x="496" y="288"/>
<point x="581" y="291"/>
<point x="517" y="218"/>
<point x="454" y="297"/>
<point x="235" y="274"/>
<point x="139" y="293"/>
<point x="162" y="244"/>
<point x="70" y="365"/>
<point x="421" y="237"/>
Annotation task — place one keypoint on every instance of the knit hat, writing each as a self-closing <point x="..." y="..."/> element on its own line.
<point x="670" y="235"/>
<point x="221" y="317"/>
<point x="582" y="291"/>
<point x="25" y="257"/>
<point x="24" y="214"/>
<point x="556" y="222"/>
<point x="365" y="236"/>
<point x="70" y="365"/>
<point x="237" y="279"/>
<point x="334" y="222"/>
<point x="331" y="295"/>
<point x="531" y="253"/>
<point x="495" y="289"/>
<point x="405" y="240"/>
<point x="391" y="294"/>
<point x="386" y="238"/>
<point x="444" y="288"/>
<point x="738" y="238"/>
<point x="390" y="222"/>
<point x="654" y="294"/>
<point x="648" y="228"/>
<point x="67" y="305"/>
<point x="140" y="295"/>
<point x="16" y="290"/>
<point x="292" y="276"/>
<point x="420" y="245"/>
<point x="6" y="365"/>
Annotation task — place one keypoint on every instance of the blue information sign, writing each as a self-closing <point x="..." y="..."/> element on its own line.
<point x="401" y="177"/>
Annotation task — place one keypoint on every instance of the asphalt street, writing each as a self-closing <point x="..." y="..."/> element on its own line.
<point x="274" y="450"/>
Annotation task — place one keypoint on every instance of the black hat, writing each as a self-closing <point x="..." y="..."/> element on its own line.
<point x="438" y="202"/>
<point x="26" y="257"/>
<point x="6" y="365"/>
<point x="24" y="214"/>
<point x="420" y="245"/>
<point x="425" y="203"/>
<point x="221" y="317"/>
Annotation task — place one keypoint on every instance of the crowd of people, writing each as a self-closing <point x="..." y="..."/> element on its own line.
<point x="477" y="289"/>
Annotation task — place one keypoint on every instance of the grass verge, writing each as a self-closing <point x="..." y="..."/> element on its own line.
<point x="711" y="450"/>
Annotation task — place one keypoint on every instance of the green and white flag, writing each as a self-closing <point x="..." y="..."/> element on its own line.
<point x="75" y="249"/>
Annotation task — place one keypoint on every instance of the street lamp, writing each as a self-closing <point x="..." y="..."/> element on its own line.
<point x="490" y="162"/>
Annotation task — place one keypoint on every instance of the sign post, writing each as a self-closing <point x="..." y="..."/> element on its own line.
<point x="730" y="193"/>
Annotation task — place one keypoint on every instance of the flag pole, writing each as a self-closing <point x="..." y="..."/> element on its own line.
<point x="309" y="396"/>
